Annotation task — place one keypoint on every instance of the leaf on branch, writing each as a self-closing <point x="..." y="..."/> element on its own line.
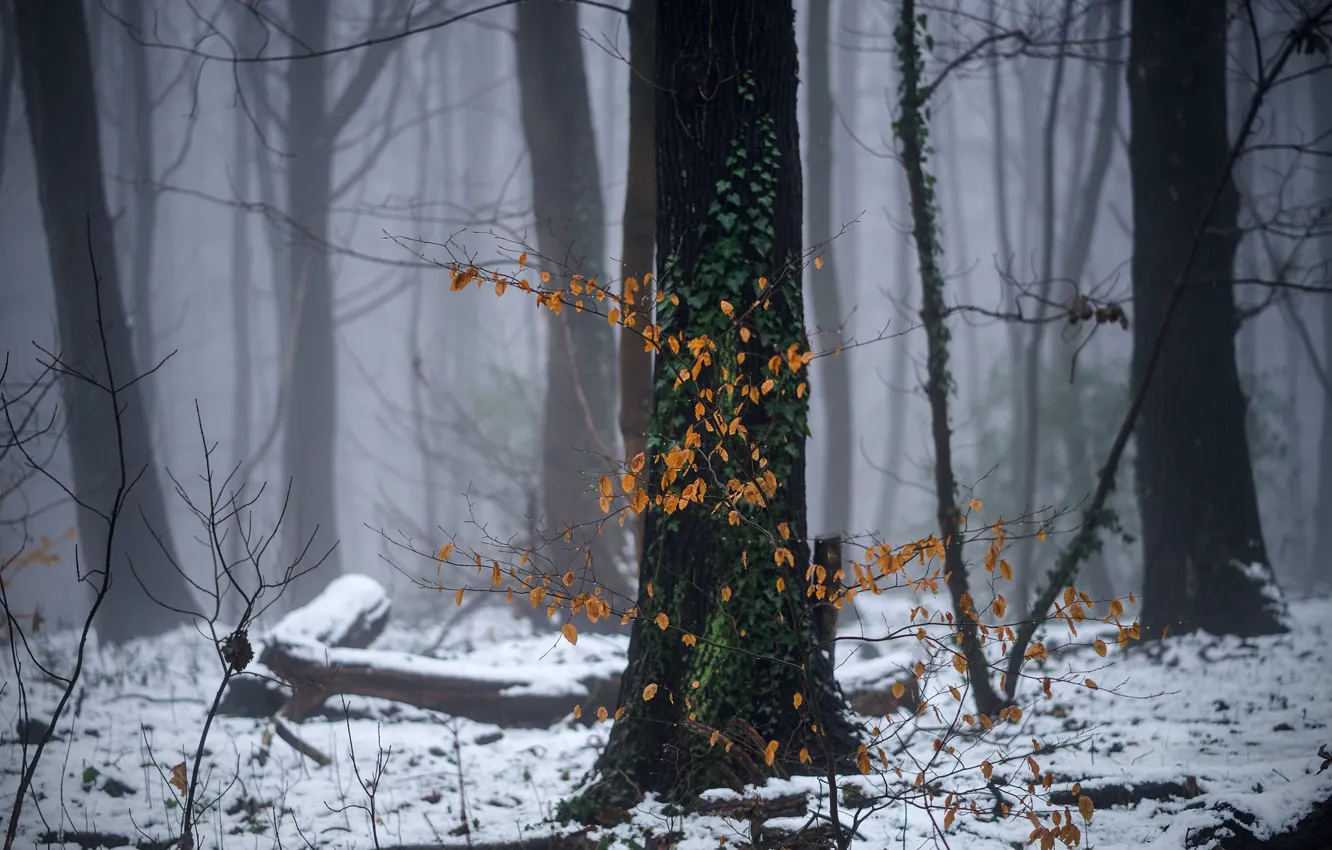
<point x="1085" y="807"/>
<point x="178" y="778"/>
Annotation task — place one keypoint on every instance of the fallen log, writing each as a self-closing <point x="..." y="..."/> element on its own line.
<point x="351" y="612"/>
<point x="319" y="651"/>
<point x="534" y="696"/>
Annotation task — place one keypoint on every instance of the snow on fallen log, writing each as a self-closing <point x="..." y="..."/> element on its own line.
<point x="531" y="683"/>
<point x="352" y="611"/>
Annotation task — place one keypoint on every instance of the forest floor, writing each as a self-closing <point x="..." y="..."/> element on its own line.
<point x="1194" y="734"/>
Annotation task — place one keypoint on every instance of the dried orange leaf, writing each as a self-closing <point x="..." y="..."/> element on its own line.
<point x="1085" y="807"/>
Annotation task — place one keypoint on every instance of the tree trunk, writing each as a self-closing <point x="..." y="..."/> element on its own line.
<point x="913" y="137"/>
<point x="899" y="397"/>
<point x="729" y="208"/>
<point x="1084" y="198"/>
<point x="1206" y="564"/>
<point x="578" y="437"/>
<point x="1319" y="574"/>
<point x="845" y="163"/>
<point x="1247" y="256"/>
<point x="242" y="397"/>
<point x="1035" y="353"/>
<point x="832" y="377"/>
<point x="309" y="455"/>
<point x="8" y="70"/>
<point x="637" y="248"/>
<point x="140" y="138"/>
<point x="58" y="92"/>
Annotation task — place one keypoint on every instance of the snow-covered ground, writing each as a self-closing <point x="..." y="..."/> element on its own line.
<point x="1235" y="724"/>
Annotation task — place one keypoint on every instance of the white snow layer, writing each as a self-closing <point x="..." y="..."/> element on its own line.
<point x="1244" y="719"/>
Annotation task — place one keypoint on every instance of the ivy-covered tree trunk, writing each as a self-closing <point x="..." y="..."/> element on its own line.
<point x="578" y="434"/>
<point x="912" y="132"/>
<point x="1206" y="565"/>
<point x="724" y="639"/>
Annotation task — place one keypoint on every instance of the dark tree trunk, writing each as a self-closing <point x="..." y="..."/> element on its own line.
<point x="638" y="249"/>
<point x="1206" y="565"/>
<point x="8" y="70"/>
<point x="309" y="457"/>
<point x="833" y="381"/>
<point x="58" y="92"/>
<point x="140" y="138"/>
<point x="578" y="436"/>
<point x="729" y="208"/>
<point x="1319" y="572"/>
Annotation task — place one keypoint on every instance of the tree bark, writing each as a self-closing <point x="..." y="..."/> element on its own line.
<point x="1206" y="565"/>
<point x="104" y="444"/>
<point x="141" y="140"/>
<point x="242" y="394"/>
<point x="1034" y="355"/>
<point x="913" y="137"/>
<point x="8" y="71"/>
<point x="309" y="453"/>
<point x="1318" y="573"/>
<point x="638" y="241"/>
<point x="1084" y="198"/>
<point x="728" y="213"/>
<point x="831" y="376"/>
<point x="578" y="436"/>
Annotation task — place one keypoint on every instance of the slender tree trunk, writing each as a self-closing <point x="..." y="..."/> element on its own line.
<point x="1084" y="199"/>
<point x="140" y="139"/>
<point x="832" y="377"/>
<point x="899" y="397"/>
<point x="8" y="72"/>
<point x="1319" y="573"/>
<point x="637" y="243"/>
<point x="429" y="517"/>
<point x="847" y="168"/>
<point x="1206" y="564"/>
<point x="309" y="453"/>
<point x="727" y="140"/>
<point x="242" y="398"/>
<point x="959" y="247"/>
<point x="1240" y="90"/>
<point x="912" y="134"/>
<point x="1034" y="355"/>
<point x="578" y="435"/>
<point x="58" y="93"/>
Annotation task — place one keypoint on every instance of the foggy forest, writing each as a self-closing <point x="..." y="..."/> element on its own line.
<point x="666" y="424"/>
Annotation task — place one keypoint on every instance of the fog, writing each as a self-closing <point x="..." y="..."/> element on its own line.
<point x="438" y="394"/>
